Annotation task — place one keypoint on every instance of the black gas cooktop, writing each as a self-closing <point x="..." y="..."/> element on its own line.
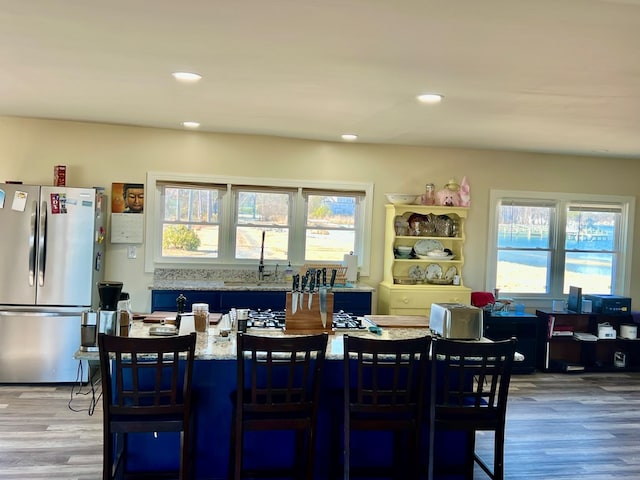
<point x="276" y="319"/>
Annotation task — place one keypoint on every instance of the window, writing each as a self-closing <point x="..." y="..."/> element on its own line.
<point x="262" y="224"/>
<point x="190" y="220"/>
<point x="539" y="246"/>
<point x="331" y="225"/>
<point x="236" y="221"/>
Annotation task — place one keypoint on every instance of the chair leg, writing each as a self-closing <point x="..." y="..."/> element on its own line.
<point x="470" y="456"/>
<point x="185" y="455"/>
<point x="310" y="454"/>
<point x="347" y="450"/>
<point x="107" y="454"/>
<point x="498" y="449"/>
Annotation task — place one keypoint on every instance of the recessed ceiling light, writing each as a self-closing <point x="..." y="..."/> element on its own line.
<point x="186" y="76"/>
<point x="430" y="98"/>
<point x="349" y="137"/>
<point x="190" y="124"/>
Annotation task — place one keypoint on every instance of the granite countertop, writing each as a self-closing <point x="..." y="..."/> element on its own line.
<point x="241" y="286"/>
<point x="212" y="346"/>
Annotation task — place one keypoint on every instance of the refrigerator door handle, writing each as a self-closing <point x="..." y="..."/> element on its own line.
<point x="42" y="251"/>
<point x="32" y="244"/>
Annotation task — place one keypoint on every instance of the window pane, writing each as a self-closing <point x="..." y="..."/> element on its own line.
<point x="330" y="227"/>
<point x="182" y="240"/>
<point x="524" y="227"/>
<point x="329" y="245"/>
<point x="249" y="243"/>
<point x="591" y="230"/>
<point x="190" y="205"/>
<point x="523" y="271"/>
<point x="591" y="271"/>
<point x="189" y="227"/>
<point x="331" y="211"/>
<point x="261" y="208"/>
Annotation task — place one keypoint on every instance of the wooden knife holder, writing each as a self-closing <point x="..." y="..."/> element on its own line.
<point x="308" y="320"/>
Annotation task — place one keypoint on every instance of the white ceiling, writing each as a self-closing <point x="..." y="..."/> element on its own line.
<point x="532" y="75"/>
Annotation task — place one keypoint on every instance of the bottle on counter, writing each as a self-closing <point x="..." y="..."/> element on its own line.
<point x="288" y="274"/>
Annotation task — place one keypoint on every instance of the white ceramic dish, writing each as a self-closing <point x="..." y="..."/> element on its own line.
<point x="401" y="198"/>
<point x="434" y="271"/>
<point x="416" y="273"/>
<point x="430" y="257"/>
<point x="423" y="247"/>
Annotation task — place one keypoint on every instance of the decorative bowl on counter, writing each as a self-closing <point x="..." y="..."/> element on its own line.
<point x="401" y="198"/>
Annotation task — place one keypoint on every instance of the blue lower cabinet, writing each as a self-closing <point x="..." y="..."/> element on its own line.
<point x="357" y="303"/>
<point x="165" y="300"/>
<point x="260" y="300"/>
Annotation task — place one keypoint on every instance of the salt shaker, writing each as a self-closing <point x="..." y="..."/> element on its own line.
<point x="429" y="195"/>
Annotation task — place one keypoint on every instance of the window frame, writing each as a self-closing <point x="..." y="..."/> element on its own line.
<point x="153" y="223"/>
<point x="622" y="267"/>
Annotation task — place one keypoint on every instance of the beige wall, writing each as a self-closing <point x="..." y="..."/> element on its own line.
<point x="98" y="154"/>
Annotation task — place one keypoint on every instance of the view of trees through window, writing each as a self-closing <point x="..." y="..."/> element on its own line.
<point x="540" y="245"/>
<point x="191" y="224"/>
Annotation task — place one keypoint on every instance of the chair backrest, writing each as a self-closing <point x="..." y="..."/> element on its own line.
<point x="475" y="377"/>
<point x="147" y="376"/>
<point x="385" y="376"/>
<point x="279" y="374"/>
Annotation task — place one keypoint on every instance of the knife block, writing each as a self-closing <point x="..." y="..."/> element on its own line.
<point x="308" y="320"/>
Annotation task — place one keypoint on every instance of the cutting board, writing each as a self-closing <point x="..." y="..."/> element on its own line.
<point x="404" y="321"/>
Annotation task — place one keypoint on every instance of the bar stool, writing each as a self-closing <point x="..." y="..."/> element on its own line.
<point x="387" y="388"/>
<point x="475" y="386"/>
<point x="146" y="389"/>
<point x="278" y="389"/>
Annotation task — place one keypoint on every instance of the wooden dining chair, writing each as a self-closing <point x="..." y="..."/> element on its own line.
<point x="278" y="388"/>
<point x="146" y="385"/>
<point x="387" y="387"/>
<point x="473" y="387"/>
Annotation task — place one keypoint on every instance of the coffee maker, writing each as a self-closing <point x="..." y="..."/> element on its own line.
<point x="105" y="320"/>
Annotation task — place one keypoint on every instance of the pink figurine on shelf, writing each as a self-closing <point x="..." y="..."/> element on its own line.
<point x="465" y="193"/>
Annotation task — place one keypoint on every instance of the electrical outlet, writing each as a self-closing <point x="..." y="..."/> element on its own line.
<point x="131" y="251"/>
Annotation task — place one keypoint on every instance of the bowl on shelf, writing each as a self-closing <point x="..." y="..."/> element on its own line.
<point x="401" y="198"/>
<point x="438" y="253"/>
<point x="403" y="250"/>
<point x="404" y="281"/>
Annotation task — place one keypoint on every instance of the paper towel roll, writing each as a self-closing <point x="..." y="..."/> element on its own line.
<point x="351" y="262"/>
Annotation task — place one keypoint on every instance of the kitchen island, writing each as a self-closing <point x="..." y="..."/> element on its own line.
<point x="215" y="379"/>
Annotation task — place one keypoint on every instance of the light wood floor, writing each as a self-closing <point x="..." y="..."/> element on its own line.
<point x="559" y="427"/>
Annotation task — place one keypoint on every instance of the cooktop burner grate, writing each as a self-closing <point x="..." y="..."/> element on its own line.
<point x="276" y="319"/>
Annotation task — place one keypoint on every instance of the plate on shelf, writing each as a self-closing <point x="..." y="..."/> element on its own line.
<point x="450" y="273"/>
<point x="433" y="271"/>
<point x="416" y="273"/>
<point x="423" y="247"/>
<point x="429" y="257"/>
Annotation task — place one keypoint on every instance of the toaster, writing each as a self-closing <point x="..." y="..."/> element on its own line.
<point x="456" y="321"/>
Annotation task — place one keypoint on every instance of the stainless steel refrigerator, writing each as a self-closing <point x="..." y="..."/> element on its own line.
<point x="51" y="258"/>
